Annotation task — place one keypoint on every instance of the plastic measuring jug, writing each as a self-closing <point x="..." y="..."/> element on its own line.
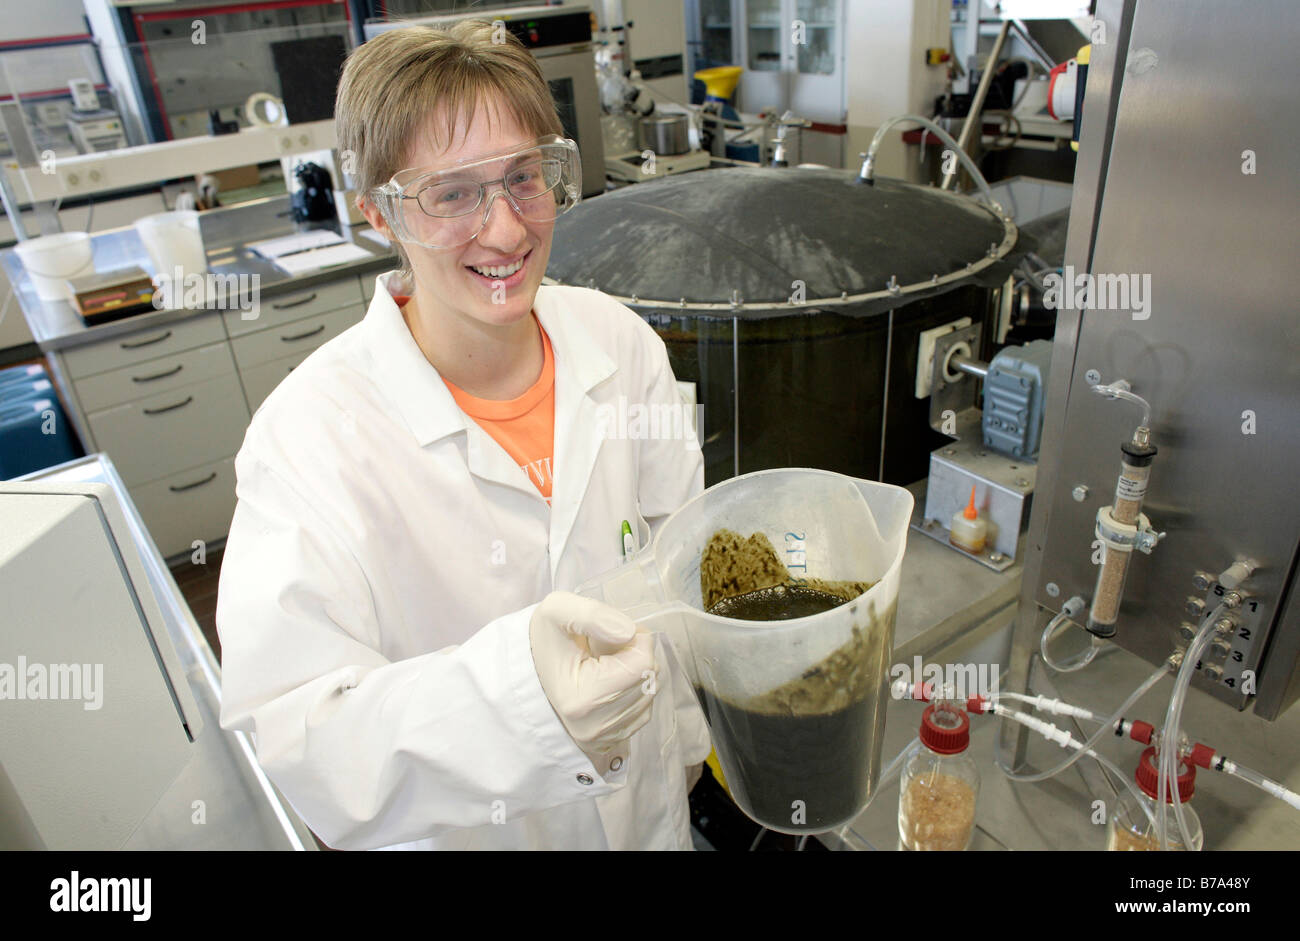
<point x="796" y="708"/>
<point x="51" y="260"/>
<point x="173" y="240"/>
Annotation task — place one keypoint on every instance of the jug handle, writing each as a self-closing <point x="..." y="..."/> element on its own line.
<point x="640" y="614"/>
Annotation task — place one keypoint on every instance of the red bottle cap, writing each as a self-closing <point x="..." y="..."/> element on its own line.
<point x="1148" y="777"/>
<point x="945" y="729"/>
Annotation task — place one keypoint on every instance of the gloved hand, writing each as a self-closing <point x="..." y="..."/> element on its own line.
<point x="597" y="670"/>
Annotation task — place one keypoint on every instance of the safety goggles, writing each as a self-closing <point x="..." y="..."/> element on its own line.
<point x="447" y="208"/>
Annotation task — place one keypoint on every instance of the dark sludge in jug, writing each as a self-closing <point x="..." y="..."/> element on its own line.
<point x="780" y="755"/>
<point x="777" y="603"/>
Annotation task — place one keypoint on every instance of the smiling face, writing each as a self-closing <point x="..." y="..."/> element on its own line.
<point x="493" y="279"/>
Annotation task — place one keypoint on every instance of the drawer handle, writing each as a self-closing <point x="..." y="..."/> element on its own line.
<point x="298" y="303"/>
<point x="302" y="336"/>
<point x="136" y="346"/>
<point x="161" y="375"/>
<point x="169" y="408"/>
<point x="198" y="483"/>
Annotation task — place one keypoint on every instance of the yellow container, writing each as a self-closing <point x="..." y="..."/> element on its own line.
<point x="720" y="82"/>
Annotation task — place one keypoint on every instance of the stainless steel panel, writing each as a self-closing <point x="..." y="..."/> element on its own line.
<point x="1216" y="355"/>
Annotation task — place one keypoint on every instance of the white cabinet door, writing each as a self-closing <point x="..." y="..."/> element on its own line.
<point x="284" y="308"/>
<point x="763" y="43"/>
<point x="155" y="376"/>
<point x="303" y="335"/>
<point x="793" y="53"/>
<point x="817" y="62"/>
<point x="93" y="358"/>
<point x="152" y="438"/>
<point x="193" y="504"/>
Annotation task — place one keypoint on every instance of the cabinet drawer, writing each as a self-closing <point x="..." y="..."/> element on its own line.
<point x="142" y="345"/>
<point x="300" y="335"/>
<point x="261" y="380"/>
<point x="193" y="504"/>
<point x="155" y="376"/>
<point x="281" y="308"/>
<point x="149" y="439"/>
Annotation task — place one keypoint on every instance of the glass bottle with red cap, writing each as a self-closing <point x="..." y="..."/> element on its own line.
<point x="1130" y="828"/>
<point x="940" y="783"/>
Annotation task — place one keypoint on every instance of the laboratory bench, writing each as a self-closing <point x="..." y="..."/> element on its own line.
<point x="168" y="394"/>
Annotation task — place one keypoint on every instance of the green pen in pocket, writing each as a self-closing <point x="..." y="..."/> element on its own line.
<point x="628" y="546"/>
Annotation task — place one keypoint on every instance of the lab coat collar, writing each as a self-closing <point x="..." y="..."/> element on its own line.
<point x="421" y="397"/>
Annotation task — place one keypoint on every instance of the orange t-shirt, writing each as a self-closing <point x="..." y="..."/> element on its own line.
<point x="524" y="426"/>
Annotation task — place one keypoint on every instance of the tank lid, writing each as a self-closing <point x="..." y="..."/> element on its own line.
<point x="764" y="241"/>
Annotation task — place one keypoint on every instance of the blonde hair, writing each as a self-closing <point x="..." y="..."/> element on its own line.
<point x="392" y="86"/>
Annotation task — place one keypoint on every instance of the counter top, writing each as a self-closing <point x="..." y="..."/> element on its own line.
<point x="55" y="325"/>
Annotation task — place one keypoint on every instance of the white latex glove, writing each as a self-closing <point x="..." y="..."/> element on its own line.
<point x="597" y="670"/>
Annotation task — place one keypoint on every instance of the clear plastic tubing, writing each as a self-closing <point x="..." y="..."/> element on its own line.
<point x="1169" y="735"/>
<point x="1267" y="785"/>
<point x="944" y="136"/>
<point x="1106" y="727"/>
<point x="1080" y="751"/>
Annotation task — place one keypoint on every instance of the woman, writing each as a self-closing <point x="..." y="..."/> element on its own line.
<point x="413" y="490"/>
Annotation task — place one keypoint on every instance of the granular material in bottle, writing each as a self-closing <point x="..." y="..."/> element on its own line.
<point x="937" y="813"/>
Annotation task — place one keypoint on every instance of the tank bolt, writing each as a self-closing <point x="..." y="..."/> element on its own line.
<point x="934" y="279"/>
<point x="949" y="452"/>
<point x="1080" y="493"/>
<point x="996" y="557"/>
<point x="844" y="295"/>
<point x="892" y="286"/>
<point x="1022" y="482"/>
<point x="1203" y="581"/>
<point x="634" y="298"/>
<point x="1092" y="377"/>
<point x="1052" y="589"/>
<point x="682" y="302"/>
<point x="735" y="298"/>
<point x="993" y="249"/>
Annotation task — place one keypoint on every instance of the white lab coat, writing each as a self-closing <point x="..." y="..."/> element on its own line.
<point x="384" y="560"/>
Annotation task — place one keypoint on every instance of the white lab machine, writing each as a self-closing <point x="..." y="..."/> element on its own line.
<point x="96" y="717"/>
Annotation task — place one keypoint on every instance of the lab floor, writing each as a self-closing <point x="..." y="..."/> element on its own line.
<point x="198" y="583"/>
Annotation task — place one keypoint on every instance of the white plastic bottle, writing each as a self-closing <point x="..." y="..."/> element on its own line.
<point x="968" y="530"/>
